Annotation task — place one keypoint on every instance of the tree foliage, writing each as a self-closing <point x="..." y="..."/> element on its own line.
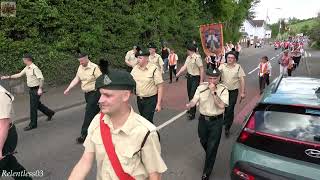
<point x="54" y="30"/>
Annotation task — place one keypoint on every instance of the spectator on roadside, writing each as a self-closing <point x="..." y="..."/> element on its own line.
<point x="264" y="72"/>
<point x="164" y="55"/>
<point x="173" y="59"/>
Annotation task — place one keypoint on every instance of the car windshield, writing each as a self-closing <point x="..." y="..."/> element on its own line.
<point x="303" y="127"/>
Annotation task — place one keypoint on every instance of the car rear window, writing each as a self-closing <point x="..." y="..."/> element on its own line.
<point x="297" y="123"/>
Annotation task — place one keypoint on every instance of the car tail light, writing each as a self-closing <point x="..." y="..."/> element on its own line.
<point x="248" y="129"/>
<point x="242" y="175"/>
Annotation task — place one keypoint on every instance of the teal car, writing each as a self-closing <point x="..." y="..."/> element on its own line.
<point x="280" y="139"/>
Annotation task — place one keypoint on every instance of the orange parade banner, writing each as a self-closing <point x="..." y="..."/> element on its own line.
<point x="211" y="38"/>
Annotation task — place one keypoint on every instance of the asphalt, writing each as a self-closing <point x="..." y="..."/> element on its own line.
<point x="51" y="147"/>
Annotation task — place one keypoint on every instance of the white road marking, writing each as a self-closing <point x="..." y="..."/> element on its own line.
<point x="253" y="70"/>
<point x="258" y="67"/>
<point x="309" y="54"/>
<point x="305" y="54"/>
<point x="171" y="120"/>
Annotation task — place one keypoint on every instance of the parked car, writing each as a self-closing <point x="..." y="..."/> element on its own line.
<point x="280" y="139"/>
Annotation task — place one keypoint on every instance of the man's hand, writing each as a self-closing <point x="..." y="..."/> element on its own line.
<point x="66" y="92"/>
<point x="190" y="105"/>
<point x="212" y="87"/>
<point x="158" y="108"/>
<point x="5" y="77"/>
<point x="40" y="91"/>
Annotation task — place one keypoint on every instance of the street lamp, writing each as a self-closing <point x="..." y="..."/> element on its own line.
<point x="280" y="9"/>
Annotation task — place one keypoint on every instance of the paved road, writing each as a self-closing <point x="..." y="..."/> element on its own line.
<point x="51" y="148"/>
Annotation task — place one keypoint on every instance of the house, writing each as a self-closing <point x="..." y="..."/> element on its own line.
<point x="255" y="30"/>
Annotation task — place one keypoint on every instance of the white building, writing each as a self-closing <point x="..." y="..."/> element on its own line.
<point x="255" y="30"/>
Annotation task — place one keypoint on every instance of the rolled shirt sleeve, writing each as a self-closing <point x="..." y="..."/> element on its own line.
<point x="151" y="155"/>
<point x="38" y="73"/>
<point x="158" y="77"/>
<point x="5" y="106"/>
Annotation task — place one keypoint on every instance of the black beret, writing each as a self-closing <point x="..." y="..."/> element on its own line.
<point x="27" y="56"/>
<point x="116" y="80"/>
<point x="213" y="72"/>
<point x="136" y="47"/>
<point x="152" y="45"/>
<point x="142" y="52"/>
<point x="191" y="47"/>
<point x="233" y="53"/>
<point x="81" y="55"/>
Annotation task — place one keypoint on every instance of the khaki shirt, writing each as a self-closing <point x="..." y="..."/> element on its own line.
<point x="230" y="76"/>
<point x="207" y="105"/>
<point x="147" y="80"/>
<point x="6" y="103"/>
<point x="127" y="140"/>
<point x="88" y="76"/>
<point x="194" y="63"/>
<point x="157" y="60"/>
<point x="33" y="74"/>
<point x="130" y="56"/>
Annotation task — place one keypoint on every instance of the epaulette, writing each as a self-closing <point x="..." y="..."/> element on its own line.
<point x="203" y="87"/>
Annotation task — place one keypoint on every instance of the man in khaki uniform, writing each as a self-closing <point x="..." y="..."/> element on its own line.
<point x="212" y="97"/>
<point x="149" y="86"/>
<point x="155" y="58"/>
<point x="35" y="83"/>
<point x="131" y="59"/>
<point x="232" y="75"/>
<point x="128" y="131"/>
<point x="8" y="139"/>
<point x="87" y="74"/>
<point x="195" y="72"/>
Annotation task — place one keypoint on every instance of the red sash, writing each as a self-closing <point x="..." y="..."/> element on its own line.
<point x="108" y="145"/>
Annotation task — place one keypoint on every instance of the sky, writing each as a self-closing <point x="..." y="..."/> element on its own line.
<point x="301" y="9"/>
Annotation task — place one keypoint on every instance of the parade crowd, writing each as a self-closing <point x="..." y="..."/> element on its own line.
<point x="124" y="143"/>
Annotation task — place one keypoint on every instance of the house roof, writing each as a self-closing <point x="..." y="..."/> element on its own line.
<point x="256" y="23"/>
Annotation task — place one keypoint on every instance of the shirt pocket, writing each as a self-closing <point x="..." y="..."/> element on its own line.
<point x="129" y="159"/>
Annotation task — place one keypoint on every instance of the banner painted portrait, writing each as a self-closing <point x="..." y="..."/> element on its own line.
<point x="211" y="38"/>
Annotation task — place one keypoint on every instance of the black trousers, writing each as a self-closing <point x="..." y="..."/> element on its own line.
<point x="290" y="71"/>
<point x="263" y="80"/>
<point x="296" y="60"/>
<point x="229" y="111"/>
<point x="10" y="163"/>
<point x="92" y="109"/>
<point x="209" y="131"/>
<point x="147" y="106"/>
<point x="192" y="84"/>
<point x="35" y="105"/>
<point x="172" y="70"/>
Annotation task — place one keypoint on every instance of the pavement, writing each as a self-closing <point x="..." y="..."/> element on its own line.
<point x="51" y="147"/>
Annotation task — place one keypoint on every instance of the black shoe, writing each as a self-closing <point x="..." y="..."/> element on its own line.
<point x="227" y="133"/>
<point x="204" y="177"/>
<point x="28" y="128"/>
<point x="81" y="139"/>
<point x="170" y="82"/>
<point x="50" y="117"/>
<point x="191" y="117"/>
<point x="177" y="79"/>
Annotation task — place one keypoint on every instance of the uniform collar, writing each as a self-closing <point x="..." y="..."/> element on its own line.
<point x="153" y="56"/>
<point x="31" y="65"/>
<point x="127" y="126"/>
<point x="89" y="66"/>
<point x="146" y="67"/>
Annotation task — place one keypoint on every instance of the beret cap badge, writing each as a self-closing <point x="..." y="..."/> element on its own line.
<point x="106" y="80"/>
